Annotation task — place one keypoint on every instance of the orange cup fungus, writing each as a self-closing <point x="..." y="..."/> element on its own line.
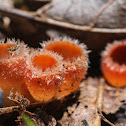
<point x="114" y="63"/>
<point x="42" y="75"/>
<point x="75" y="64"/>
<point x="12" y="67"/>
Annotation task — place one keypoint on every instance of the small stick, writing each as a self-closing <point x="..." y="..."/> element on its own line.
<point x="29" y="113"/>
<point x="107" y="121"/>
<point x="99" y="102"/>
<point x="9" y="109"/>
<point x="100" y="94"/>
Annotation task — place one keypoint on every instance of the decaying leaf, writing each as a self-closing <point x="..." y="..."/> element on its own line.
<point x="84" y="12"/>
<point x="121" y="116"/>
<point x="114" y="98"/>
<point x="85" y="112"/>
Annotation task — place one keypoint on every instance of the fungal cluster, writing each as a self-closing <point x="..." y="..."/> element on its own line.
<point x="51" y="72"/>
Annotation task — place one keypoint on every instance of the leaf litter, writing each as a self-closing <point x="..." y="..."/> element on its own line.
<point x="95" y="97"/>
<point x="96" y="12"/>
<point x="81" y="109"/>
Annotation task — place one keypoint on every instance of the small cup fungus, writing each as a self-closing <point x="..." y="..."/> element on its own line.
<point x="75" y="63"/>
<point x="12" y="68"/>
<point x="43" y="75"/>
<point x="114" y="63"/>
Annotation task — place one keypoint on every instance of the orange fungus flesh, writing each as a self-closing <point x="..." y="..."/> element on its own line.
<point x="41" y="89"/>
<point x="72" y="80"/>
<point x="65" y="48"/>
<point x="114" y="64"/>
<point x="44" y="61"/>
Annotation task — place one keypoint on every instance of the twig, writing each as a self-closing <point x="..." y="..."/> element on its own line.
<point x="100" y="12"/>
<point x="107" y="121"/>
<point x="100" y="94"/>
<point x="99" y="102"/>
<point x="18" y="98"/>
<point x="9" y="109"/>
<point x="29" y="113"/>
<point x="17" y="102"/>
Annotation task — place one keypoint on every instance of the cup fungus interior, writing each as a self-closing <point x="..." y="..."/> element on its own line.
<point x="44" y="61"/>
<point x="67" y="49"/>
<point x="118" y="55"/>
<point x="4" y="53"/>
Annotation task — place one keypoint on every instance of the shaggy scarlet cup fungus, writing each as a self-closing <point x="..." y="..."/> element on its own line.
<point x="43" y="75"/>
<point x="114" y="63"/>
<point x="12" y="64"/>
<point x="75" y="63"/>
<point x="51" y="73"/>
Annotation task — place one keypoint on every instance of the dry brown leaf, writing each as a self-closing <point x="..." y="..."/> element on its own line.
<point x="90" y="104"/>
<point x="114" y="98"/>
<point x="84" y="12"/>
<point x="84" y="112"/>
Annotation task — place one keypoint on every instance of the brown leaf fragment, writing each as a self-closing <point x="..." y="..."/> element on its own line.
<point x="121" y="116"/>
<point x="81" y="12"/>
<point x="114" y="98"/>
<point x="85" y="112"/>
<point x="96" y="96"/>
<point x="9" y="109"/>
